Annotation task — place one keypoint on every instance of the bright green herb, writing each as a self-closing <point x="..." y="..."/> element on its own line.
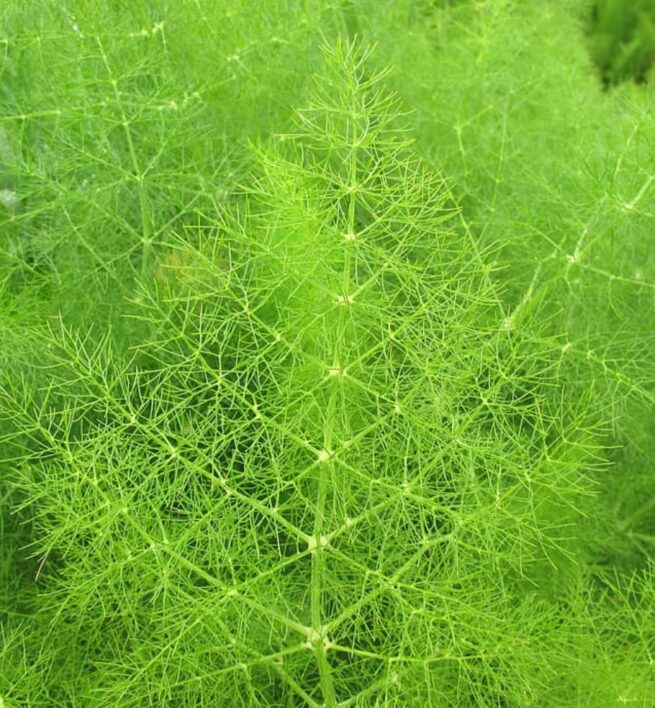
<point x="328" y="417"/>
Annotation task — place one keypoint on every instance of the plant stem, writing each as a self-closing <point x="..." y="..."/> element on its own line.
<point x="327" y="468"/>
<point x="147" y="226"/>
<point x="318" y="560"/>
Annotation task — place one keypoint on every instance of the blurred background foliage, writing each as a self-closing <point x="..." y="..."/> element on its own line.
<point x="623" y="39"/>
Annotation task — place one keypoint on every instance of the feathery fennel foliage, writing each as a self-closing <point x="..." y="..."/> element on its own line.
<point x="346" y="446"/>
<point x="118" y="121"/>
<point x="557" y="172"/>
<point x="329" y="472"/>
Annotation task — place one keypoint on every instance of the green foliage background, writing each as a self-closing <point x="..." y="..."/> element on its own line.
<point x="323" y="384"/>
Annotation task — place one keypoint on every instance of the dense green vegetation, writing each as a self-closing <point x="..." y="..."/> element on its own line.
<point x="623" y="39"/>
<point x="326" y="353"/>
